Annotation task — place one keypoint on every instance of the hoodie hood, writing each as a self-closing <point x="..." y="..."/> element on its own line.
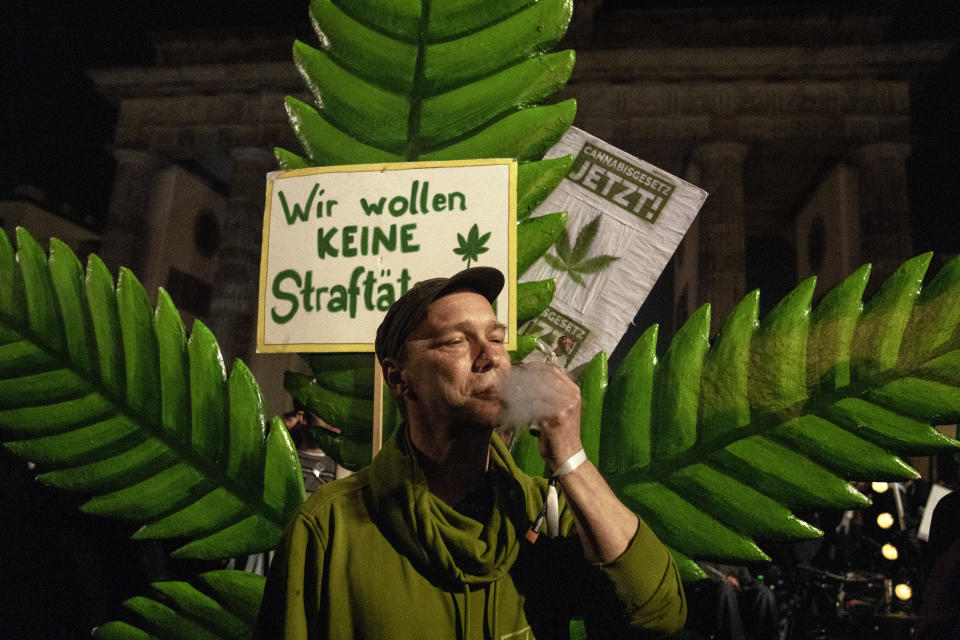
<point x="451" y="547"/>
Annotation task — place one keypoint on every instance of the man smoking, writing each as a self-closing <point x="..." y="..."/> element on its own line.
<point x="434" y="540"/>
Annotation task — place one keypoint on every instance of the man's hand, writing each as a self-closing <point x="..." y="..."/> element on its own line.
<point x="559" y="427"/>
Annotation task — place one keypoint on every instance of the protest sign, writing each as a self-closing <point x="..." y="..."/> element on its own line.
<point x="625" y="219"/>
<point x="341" y="244"/>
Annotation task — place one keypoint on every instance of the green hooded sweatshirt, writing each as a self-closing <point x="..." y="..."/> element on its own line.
<point x="377" y="556"/>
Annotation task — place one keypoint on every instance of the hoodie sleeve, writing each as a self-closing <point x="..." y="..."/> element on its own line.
<point x="642" y="592"/>
<point x="291" y="598"/>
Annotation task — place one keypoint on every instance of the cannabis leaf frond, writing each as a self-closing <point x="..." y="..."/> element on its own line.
<point x="715" y="445"/>
<point x="556" y="263"/>
<point x="562" y="246"/>
<point x="108" y="396"/>
<point x="584" y="241"/>
<point x="595" y="264"/>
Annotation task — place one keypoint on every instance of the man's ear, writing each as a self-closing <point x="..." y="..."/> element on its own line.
<point x="393" y="374"/>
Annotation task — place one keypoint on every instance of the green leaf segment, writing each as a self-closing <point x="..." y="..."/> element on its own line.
<point x="223" y="604"/>
<point x="109" y="397"/>
<point x="716" y="444"/>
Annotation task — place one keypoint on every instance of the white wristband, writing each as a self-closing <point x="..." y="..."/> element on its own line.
<point x="570" y="464"/>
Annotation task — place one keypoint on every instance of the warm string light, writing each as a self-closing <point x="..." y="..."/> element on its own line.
<point x="903" y="591"/>
<point x="885" y="520"/>
<point x="879" y="487"/>
<point x="889" y="552"/>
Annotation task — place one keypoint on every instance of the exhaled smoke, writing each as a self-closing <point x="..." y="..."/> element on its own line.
<point x="528" y="396"/>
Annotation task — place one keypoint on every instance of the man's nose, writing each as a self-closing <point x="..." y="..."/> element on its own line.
<point x="490" y="357"/>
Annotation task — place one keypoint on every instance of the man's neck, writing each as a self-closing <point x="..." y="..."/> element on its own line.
<point x="452" y="465"/>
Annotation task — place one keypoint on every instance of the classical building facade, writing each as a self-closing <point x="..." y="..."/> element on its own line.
<point x="797" y="122"/>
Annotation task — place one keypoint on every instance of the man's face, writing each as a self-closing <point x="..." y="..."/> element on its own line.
<point x="454" y="359"/>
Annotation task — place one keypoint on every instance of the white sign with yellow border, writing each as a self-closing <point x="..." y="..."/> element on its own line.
<point x="340" y="244"/>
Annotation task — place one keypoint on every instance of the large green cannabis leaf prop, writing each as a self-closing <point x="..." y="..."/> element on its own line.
<point x="715" y="445"/>
<point x="109" y="397"/>
<point x="416" y="80"/>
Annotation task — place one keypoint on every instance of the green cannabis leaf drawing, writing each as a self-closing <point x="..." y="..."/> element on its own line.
<point x="472" y="246"/>
<point x="574" y="261"/>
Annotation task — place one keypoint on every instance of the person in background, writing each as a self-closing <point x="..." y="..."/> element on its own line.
<point x="317" y="467"/>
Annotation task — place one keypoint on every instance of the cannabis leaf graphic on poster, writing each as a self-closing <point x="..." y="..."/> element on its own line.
<point x="574" y="261"/>
<point x="472" y="246"/>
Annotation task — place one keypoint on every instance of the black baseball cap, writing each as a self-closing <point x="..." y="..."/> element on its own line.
<point x="407" y="312"/>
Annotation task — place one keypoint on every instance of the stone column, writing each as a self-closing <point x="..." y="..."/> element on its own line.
<point x="885" y="236"/>
<point x="234" y="306"/>
<point x="125" y="238"/>
<point x="721" y="264"/>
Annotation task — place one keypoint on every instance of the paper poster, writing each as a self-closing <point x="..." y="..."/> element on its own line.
<point x="625" y="219"/>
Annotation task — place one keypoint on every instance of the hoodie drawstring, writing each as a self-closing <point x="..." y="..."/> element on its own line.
<point x="462" y="613"/>
<point x="466" y="612"/>
<point x="457" y="614"/>
<point x="490" y="605"/>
